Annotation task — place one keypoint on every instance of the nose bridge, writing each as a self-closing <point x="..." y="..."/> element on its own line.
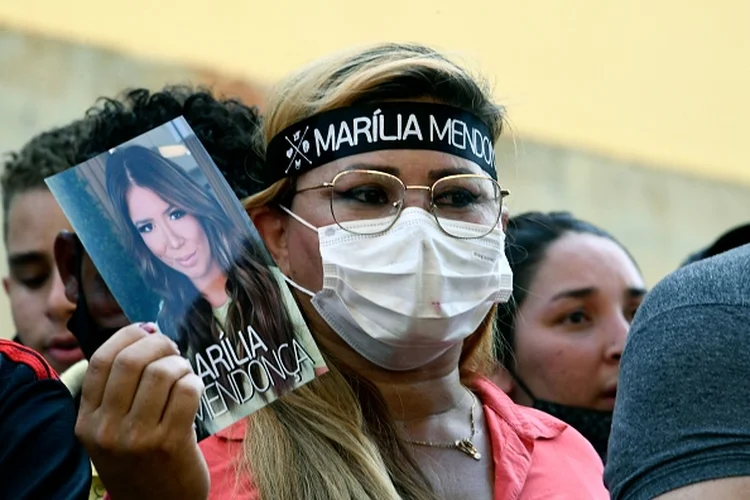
<point x="418" y="196"/>
<point x="57" y="302"/>
<point x="173" y="238"/>
<point x="617" y="329"/>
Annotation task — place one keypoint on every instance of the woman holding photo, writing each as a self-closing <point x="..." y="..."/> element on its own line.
<point x="384" y="212"/>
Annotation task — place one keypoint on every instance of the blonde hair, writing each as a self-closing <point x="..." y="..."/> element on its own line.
<point x="334" y="438"/>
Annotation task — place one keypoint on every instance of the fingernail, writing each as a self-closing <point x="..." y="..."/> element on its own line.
<point x="149" y="327"/>
<point x="175" y="346"/>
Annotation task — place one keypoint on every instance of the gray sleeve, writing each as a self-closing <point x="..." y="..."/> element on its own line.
<point x="683" y="404"/>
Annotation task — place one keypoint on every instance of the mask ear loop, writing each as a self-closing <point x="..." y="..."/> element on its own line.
<point x="520" y="383"/>
<point x="302" y="221"/>
<point x="297" y="286"/>
<point x="298" y="218"/>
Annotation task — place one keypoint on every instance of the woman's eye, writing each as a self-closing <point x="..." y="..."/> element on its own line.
<point x="576" y="318"/>
<point x="145" y="228"/>
<point x="369" y="195"/>
<point x="630" y="313"/>
<point x="34" y="282"/>
<point x="456" y="198"/>
<point x="177" y="214"/>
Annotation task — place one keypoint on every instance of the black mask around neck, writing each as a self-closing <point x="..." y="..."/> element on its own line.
<point x="594" y="425"/>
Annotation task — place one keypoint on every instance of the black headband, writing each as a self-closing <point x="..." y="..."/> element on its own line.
<point x="343" y="132"/>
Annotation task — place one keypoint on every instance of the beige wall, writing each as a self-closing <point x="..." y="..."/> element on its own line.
<point x="661" y="216"/>
<point x="663" y="82"/>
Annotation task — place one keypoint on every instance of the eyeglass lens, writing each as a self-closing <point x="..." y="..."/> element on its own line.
<point x="365" y="195"/>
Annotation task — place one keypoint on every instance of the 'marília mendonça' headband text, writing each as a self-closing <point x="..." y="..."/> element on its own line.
<point x="343" y="132"/>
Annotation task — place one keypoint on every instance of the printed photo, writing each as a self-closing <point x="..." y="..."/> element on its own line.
<point x="176" y="248"/>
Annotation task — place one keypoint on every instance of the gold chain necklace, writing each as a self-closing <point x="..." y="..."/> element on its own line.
<point x="465" y="445"/>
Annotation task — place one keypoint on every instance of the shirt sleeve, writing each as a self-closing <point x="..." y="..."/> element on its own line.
<point x="73" y="377"/>
<point x="40" y="456"/>
<point x="683" y="398"/>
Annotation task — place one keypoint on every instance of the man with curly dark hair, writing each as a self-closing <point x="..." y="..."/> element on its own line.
<point x="31" y="221"/>
<point x="225" y="127"/>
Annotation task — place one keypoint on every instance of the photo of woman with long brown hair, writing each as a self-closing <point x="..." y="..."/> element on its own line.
<point x="213" y="281"/>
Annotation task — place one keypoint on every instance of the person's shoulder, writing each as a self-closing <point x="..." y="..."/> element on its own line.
<point x="563" y="460"/>
<point x="41" y="456"/>
<point x="719" y="280"/>
<point x="530" y="423"/>
<point x="26" y="378"/>
<point x="527" y="422"/>
<point x="703" y="303"/>
<point x="16" y="358"/>
<point x="564" y="438"/>
<point x="687" y="345"/>
<point x="558" y="457"/>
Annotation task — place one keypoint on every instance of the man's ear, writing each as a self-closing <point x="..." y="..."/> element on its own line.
<point x="271" y="224"/>
<point x="504" y="217"/>
<point x="68" y="260"/>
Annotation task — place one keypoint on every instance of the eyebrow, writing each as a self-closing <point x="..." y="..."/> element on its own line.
<point x="635" y="292"/>
<point x="433" y="175"/>
<point x="445" y="172"/>
<point x="582" y="293"/>
<point x="25" y="258"/>
<point x="371" y="166"/>
<point x="143" y="221"/>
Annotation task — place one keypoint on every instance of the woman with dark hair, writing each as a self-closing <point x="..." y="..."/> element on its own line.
<point x="182" y="253"/>
<point x="561" y="335"/>
<point x="212" y="283"/>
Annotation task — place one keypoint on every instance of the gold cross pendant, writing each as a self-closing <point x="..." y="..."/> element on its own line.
<point x="466" y="446"/>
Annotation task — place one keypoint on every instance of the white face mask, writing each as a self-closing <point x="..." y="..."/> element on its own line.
<point x="404" y="297"/>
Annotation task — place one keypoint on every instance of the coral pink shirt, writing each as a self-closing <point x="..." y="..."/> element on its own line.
<point x="536" y="456"/>
<point x="222" y="452"/>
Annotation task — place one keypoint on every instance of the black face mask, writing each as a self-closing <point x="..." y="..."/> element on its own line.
<point x="90" y="336"/>
<point x="594" y="425"/>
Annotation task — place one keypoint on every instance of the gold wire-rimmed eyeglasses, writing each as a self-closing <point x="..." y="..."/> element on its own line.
<point x="358" y="195"/>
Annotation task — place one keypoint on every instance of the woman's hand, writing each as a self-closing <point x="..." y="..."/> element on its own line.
<point x="139" y="401"/>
